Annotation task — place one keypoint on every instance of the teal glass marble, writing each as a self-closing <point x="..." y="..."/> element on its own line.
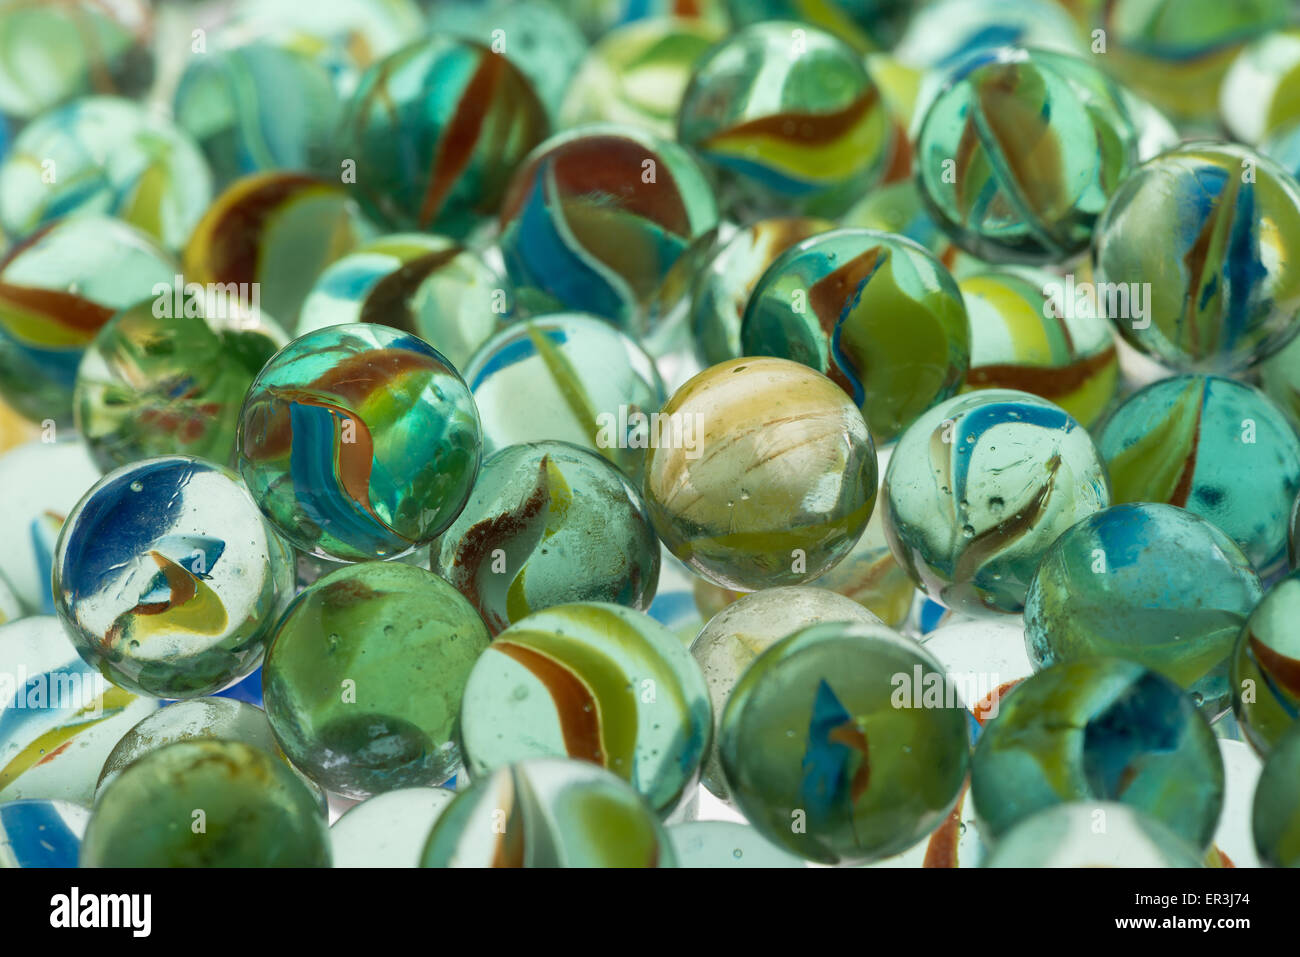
<point x="1259" y="92"/>
<point x="537" y="36"/>
<point x="844" y="744"/>
<point x="594" y="682"/>
<point x="256" y="812"/>
<point x="1150" y="583"/>
<point x="61" y="50"/>
<point x="610" y="220"/>
<point x="1091" y="834"/>
<point x="57" y="290"/>
<point x="1216" y="447"/>
<point x="979" y="487"/>
<point x="1019" y="153"/>
<point x="726" y="844"/>
<point x="731" y="640"/>
<point x="41" y="833"/>
<point x="725" y="283"/>
<point x="1099" y="729"/>
<point x="161" y="380"/>
<point x="359" y="441"/>
<point x="762" y="472"/>
<point x="59" y="717"/>
<point x="268" y="236"/>
<point x="1176" y="55"/>
<point x="875" y="312"/>
<point x="429" y="286"/>
<point x="435" y="130"/>
<point x="43" y="482"/>
<point x="258" y="107"/>
<point x="1029" y="333"/>
<point x="548" y="812"/>
<point x="1265" y="670"/>
<point x="789" y="119"/>
<point x="212" y="718"/>
<point x="944" y="33"/>
<point x="110" y="156"/>
<point x="168" y="579"/>
<point x="1275" y="819"/>
<point x="549" y="523"/>
<point x="345" y="694"/>
<point x="1207" y="235"/>
<point x="568" y="377"/>
<point x="637" y="72"/>
<point x="389" y="829"/>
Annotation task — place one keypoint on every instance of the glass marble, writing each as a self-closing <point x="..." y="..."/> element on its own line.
<point x="1099" y="729"/>
<point x="596" y="682"/>
<point x="55" y="51"/>
<point x="607" y="219"/>
<point x="59" y="718"/>
<point x="549" y="523"/>
<point x="268" y="237"/>
<point x="851" y="731"/>
<point x="1265" y="669"/>
<point x="259" y="107"/>
<point x="347" y="699"/>
<point x="167" y="578"/>
<point x="979" y="487"/>
<point x="43" y="481"/>
<point x="41" y="833"/>
<point x="359" y="441"/>
<point x="435" y="130"/>
<point x="110" y="156"/>
<point x="1091" y="834"/>
<point x="1176" y="54"/>
<point x="429" y="286"/>
<point x="1212" y="252"/>
<point x="257" y="813"/>
<point x="743" y="630"/>
<point x="548" y="812"/>
<point x="1029" y="333"/>
<point x="535" y="35"/>
<point x="726" y="844"/>
<point x="1275" y="819"/>
<point x="875" y="312"/>
<point x="761" y="473"/>
<point x="568" y="377"/>
<point x="1279" y="379"/>
<point x="1150" y="583"/>
<point x="725" y="283"/>
<point x="151" y="384"/>
<point x="196" y="718"/>
<point x="1018" y="154"/>
<point x="637" y="73"/>
<point x="1261" y="90"/>
<point x="389" y="829"/>
<point x="789" y="120"/>
<point x="1216" y="447"/>
<point x="57" y="290"/>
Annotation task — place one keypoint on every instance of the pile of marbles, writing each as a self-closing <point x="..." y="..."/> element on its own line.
<point x="556" y="433"/>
